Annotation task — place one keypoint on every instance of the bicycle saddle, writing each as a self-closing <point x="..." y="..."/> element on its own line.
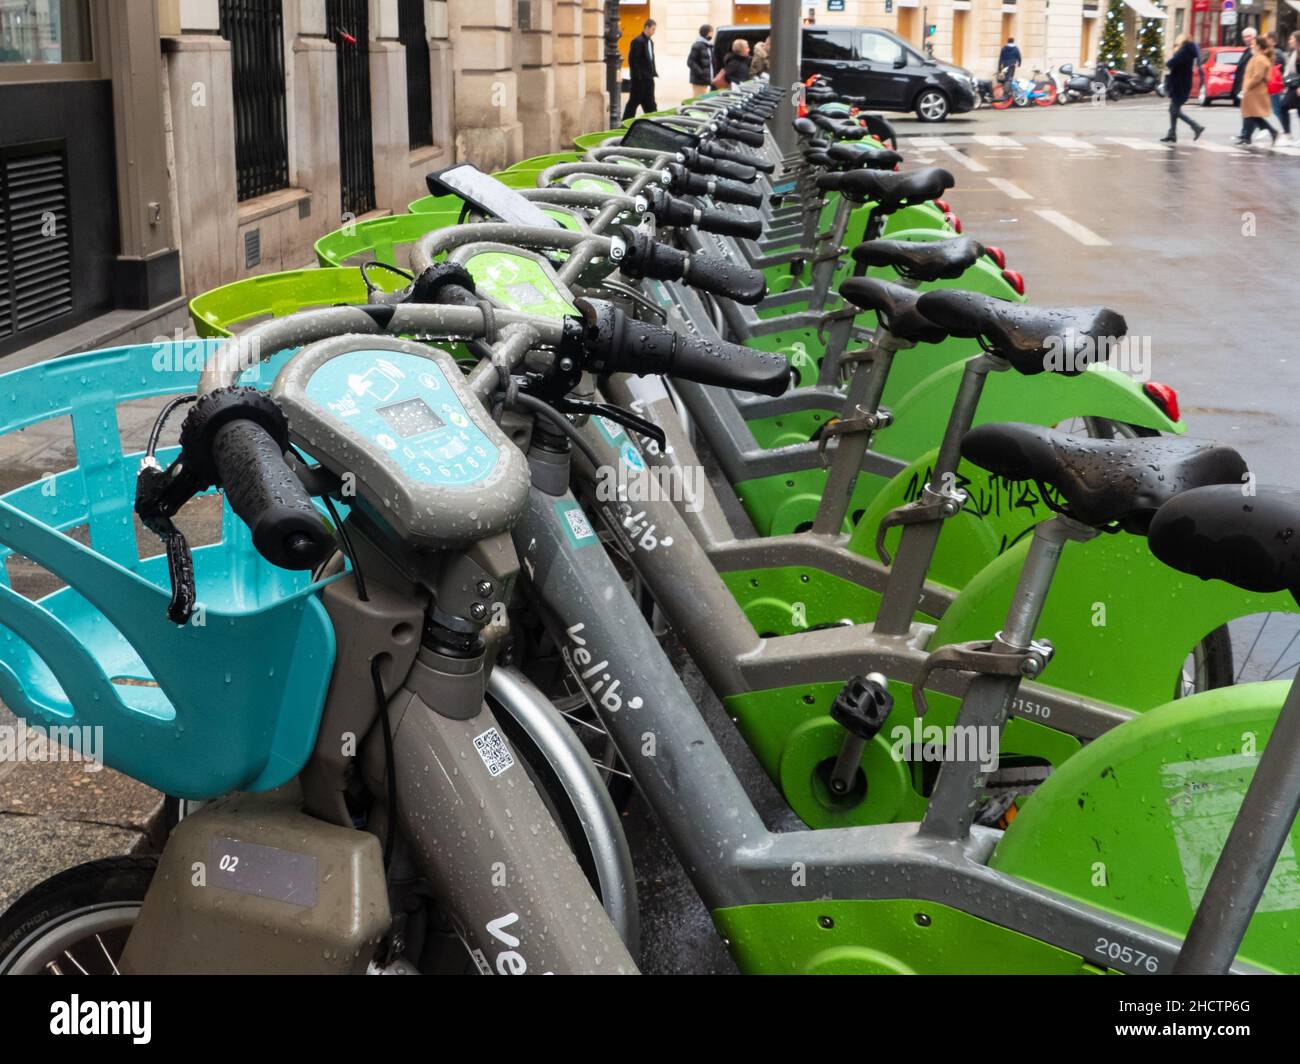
<point x="1220" y="533"/>
<point x="805" y="127"/>
<point x="1104" y="482"/>
<point x="930" y="260"/>
<point x="895" y="307"/>
<point x="858" y="155"/>
<point x="890" y="190"/>
<point x="1063" y="340"/>
<point x="844" y="128"/>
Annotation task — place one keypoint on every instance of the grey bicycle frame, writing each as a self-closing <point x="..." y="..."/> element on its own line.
<point x="480" y="834"/>
<point x="732" y="857"/>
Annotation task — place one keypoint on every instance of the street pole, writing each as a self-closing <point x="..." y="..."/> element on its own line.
<point x="786" y="48"/>
<point x="613" y="63"/>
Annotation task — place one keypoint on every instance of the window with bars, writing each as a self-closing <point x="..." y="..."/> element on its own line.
<point x="419" y="86"/>
<point x="255" y="30"/>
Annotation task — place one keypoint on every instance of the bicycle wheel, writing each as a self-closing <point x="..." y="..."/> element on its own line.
<point x="77" y="922"/>
<point x="1047" y="95"/>
<point x="1003" y="97"/>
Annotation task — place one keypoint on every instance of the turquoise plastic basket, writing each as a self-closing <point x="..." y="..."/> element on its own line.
<point x="232" y="703"/>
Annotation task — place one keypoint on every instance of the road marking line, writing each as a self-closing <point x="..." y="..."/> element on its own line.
<point x="1003" y="185"/>
<point x="929" y="142"/>
<point x="1140" y="145"/>
<point x="1284" y="151"/>
<point x="996" y="140"/>
<point x="1081" y="233"/>
<point x="964" y="159"/>
<point x="1223" y="149"/>
<point x="1070" y="142"/>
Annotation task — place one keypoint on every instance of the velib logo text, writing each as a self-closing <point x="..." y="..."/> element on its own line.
<point x="120" y="1018"/>
<point x="33" y="744"/>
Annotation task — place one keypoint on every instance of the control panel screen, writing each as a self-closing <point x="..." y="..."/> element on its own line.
<point x="411" y="417"/>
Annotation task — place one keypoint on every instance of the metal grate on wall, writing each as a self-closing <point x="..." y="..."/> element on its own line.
<point x="419" y="85"/>
<point x="255" y="30"/>
<point x="347" y="24"/>
<point x="35" y="237"/>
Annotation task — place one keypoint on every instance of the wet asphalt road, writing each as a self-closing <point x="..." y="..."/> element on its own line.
<point x="1195" y="246"/>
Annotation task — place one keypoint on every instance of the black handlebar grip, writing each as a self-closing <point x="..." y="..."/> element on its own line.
<point x="724" y="191"/>
<point x="261" y="488"/>
<point x="707" y="147"/>
<point x="706" y="164"/>
<point x="730" y="131"/>
<point x="722" y="277"/>
<point x="726" y="224"/>
<point x="731" y="366"/>
<point x="618" y="343"/>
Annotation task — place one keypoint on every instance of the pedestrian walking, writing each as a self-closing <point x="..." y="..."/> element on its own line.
<point x="1248" y="42"/>
<point x="759" y="65"/>
<point x="700" y="61"/>
<point x="1290" y="85"/>
<point x="1255" y="107"/>
<point x="642" y="70"/>
<point x="1008" y="59"/>
<point x="735" y="68"/>
<point x="1178" y="85"/>
<point x="1275" y="87"/>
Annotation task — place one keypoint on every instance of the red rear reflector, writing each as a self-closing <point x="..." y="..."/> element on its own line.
<point x="1164" y="397"/>
<point x="1014" y="279"/>
<point x="943" y="206"/>
<point x="953" y="221"/>
<point x="997" y="255"/>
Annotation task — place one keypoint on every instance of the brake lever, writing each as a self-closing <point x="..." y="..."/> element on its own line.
<point x="630" y="421"/>
<point x="159" y="493"/>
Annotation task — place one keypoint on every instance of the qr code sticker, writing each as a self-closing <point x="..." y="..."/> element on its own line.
<point x="494" y="752"/>
<point x="578" y="524"/>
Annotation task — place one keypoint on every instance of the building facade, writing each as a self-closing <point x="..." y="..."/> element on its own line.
<point x="153" y="149"/>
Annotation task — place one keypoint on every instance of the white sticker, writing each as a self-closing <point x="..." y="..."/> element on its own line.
<point x="1203" y="798"/>
<point x="480" y="961"/>
<point x="494" y="752"/>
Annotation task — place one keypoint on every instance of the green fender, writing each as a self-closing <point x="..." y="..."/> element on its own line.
<point x="1122" y="623"/>
<point x="854" y="936"/>
<point x="1134" y="822"/>
<point x="1044" y="399"/>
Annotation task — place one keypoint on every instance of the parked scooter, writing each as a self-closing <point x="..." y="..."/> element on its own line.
<point x="1083" y="85"/>
<point x="1143" y="80"/>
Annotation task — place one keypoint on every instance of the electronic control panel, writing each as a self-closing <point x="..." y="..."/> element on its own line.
<point x="398" y="417"/>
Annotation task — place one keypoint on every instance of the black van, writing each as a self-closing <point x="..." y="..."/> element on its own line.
<point x="872" y="63"/>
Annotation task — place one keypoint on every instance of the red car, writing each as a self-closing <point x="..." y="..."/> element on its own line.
<point x="1220" y="68"/>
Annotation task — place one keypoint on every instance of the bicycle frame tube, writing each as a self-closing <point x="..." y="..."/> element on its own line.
<point x="730" y="855"/>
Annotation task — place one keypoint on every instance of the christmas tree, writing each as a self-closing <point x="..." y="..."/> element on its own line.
<point x="1151" y="40"/>
<point x="1110" y="53"/>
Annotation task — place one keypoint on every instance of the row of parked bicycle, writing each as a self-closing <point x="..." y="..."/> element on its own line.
<point x="973" y="624"/>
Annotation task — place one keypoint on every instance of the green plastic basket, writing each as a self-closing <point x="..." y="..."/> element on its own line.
<point x="223" y="311"/>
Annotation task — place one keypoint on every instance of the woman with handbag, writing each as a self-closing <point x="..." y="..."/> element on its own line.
<point x="735" y="68"/>
<point x="1255" y="106"/>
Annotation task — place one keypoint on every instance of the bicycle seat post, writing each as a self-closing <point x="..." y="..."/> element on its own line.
<point x="987" y="701"/>
<point x="920" y="537"/>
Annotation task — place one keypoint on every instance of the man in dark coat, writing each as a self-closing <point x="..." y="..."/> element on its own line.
<point x="1178" y="85"/>
<point x="1008" y="59"/>
<point x="642" y="70"/>
<point x="1248" y="36"/>
<point x="700" y="62"/>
